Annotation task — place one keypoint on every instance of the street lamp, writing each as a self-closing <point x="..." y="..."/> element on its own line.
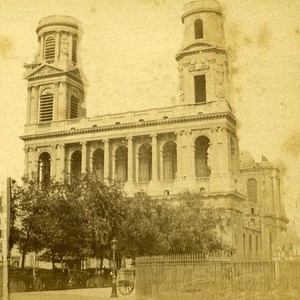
<point x="114" y="294"/>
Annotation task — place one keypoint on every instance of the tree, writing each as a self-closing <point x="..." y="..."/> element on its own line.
<point x="24" y="215"/>
<point x="197" y="225"/>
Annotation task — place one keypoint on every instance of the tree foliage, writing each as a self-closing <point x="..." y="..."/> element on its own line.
<point x="78" y="218"/>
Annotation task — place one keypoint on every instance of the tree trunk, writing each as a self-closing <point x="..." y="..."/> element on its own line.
<point x="23" y="258"/>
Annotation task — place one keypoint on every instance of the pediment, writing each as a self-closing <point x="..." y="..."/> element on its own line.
<point x="42" y="71"/>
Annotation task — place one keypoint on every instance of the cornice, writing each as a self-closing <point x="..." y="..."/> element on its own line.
<point x="126" y="126"/>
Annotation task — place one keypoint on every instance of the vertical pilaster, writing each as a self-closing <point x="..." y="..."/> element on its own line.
<point x="62" y="101"/>
<point x="53" y="161"/>
<point x="28" y="113"/>
<point x="57" y="46"/>
<point x="130" y="158"/>
<point x="161" y="164"/>
<point x="137" y="166"/>
<point x="56" y="101"/>
<point x="26" y="150"/>
<point x="179" y="154"/>
<point x="154" y="157"/>
<point x="70" y="47"/>
<point x="106" y="160"/>
<point x="83" y="157"/>
<point x="60" y="162"/>
<point x="34" y="105"/>
<point x="42" y="47"/>
<point x="114" y="166"/>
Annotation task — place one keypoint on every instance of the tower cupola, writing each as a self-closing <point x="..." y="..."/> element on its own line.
<point x="58" y="38"/>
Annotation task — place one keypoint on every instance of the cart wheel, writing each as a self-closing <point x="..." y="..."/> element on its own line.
<point x="72" y="284"/>
<point x="21" y="286"/>
<point x="125" y="287"/>
<point x="99" y="282"/>
<point x="37" y="284"/>
<point x="59" y="284"/>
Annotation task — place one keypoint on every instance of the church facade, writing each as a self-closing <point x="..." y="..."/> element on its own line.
<point x="162" y="151"/>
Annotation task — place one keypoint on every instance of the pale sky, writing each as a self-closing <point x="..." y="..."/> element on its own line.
<point x="128" y="57"/>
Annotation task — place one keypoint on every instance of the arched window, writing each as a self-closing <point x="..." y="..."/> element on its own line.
<point x="121" y="163"/>
<point x="169" y="160"/>
<point x="252" y="190"/>
<point x="44" y="168"/>
<point x="46" y="106"/>
<point x="198" y="26"/>
<point x="145" y="162"/>
<point x="98" y="163"/>
<point x="201" y="157"/>
<point x="74" y="107"/>
<point x="49" y="53"/>
<point x="76" y="158"/>
<point x="74" y="50"/>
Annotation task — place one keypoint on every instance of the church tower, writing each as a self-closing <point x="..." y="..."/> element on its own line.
<point x="202" y="56"/>
<point x="55" y="87"/>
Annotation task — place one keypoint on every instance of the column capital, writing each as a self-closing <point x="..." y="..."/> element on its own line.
<point x="129" y="138"/>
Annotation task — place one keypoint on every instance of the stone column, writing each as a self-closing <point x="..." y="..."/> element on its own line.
<point x="137" y="165"/>
<point x="34" y="105"/>
<point x="57" y="46"/>
<point x="53" y="161"/>
<point x="161" y="162"/>
<point x="154" y="157"/>
<point x="106" y="160"/>
<point x="70" y="47"/>
<point x="26" y="150"/>
<point x="60" y="162"/>
<point x="114" y="166"/>
<point x="55" y="101"/>
<point x="28" y="114"/>
<point x="62" y="101"/>
<point x="179" y="154"/>
<point x="130" y="159"/>
<point x="224" y="159"/>
<point x="275" y="191"/>
<point x="90" y="160"/>
<point x="42" y="47"/>
<point x="83" y="157"/>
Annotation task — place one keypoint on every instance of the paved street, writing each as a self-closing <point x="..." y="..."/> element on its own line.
<point x="75" y="294"/>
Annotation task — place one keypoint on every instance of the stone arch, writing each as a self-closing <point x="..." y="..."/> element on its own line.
<point x="98" y="163"/>
<point x="202" y="144"/>
<point x="121" y="166"/>
<point x="76" y="158"/>
<point x="44" y="168"/>
<point x="145" y="162"/>
<point x="169" y="154"/>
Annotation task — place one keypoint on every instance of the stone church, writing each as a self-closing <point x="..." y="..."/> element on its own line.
<point x="162" y="151"/>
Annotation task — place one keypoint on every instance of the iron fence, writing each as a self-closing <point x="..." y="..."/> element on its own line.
<point x="191" y="277"/>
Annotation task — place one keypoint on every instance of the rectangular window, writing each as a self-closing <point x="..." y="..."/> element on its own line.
<point x="200" y="89"/>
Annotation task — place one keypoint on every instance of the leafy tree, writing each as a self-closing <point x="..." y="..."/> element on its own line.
<point x="197" y="225"/>
<point x="24" y="215"/>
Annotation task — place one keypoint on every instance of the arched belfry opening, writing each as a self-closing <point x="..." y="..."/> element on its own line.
<point x="98" y="163"/>
<point x="44" y="168"/>
<point x="145" y="162"/>
<point x="169" y="160"/>
<point x="201" y="157"/>
<point x="252" y="190"/>
<point x="46" y="105"/>
<point x="121" y="156"/>
<point x="76" y="158"/>
<point x="49" y="50"/>
<point x="198" y="27"/>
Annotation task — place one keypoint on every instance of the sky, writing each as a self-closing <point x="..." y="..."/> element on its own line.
<point x="128" y="52"/>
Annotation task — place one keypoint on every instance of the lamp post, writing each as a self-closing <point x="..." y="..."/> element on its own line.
<point x="114" y="283"/>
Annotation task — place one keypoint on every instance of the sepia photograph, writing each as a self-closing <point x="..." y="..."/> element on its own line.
<point x="150" y="149"/>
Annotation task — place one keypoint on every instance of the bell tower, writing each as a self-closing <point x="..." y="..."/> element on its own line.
<point x="202" y="61"/>
<point x="55" y="87"/>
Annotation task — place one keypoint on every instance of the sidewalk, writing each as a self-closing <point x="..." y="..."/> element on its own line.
<point x="75" y="294"/>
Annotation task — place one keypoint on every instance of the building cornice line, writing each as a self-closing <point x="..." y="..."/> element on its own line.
<point x="126" y="126"/>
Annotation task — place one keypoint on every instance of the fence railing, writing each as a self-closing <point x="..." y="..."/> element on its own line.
<point x="191" y="277"/>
